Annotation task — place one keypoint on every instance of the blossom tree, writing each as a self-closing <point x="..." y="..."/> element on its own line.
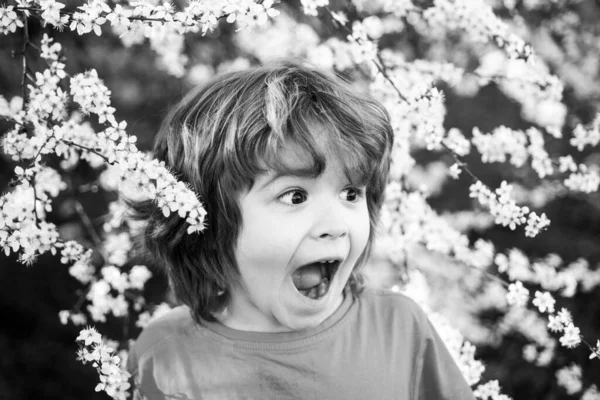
<point x="421" y="59"/>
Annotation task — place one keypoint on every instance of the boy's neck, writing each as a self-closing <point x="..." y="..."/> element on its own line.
<point x="233" y="321"/>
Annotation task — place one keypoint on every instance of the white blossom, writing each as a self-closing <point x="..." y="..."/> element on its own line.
<point x="119" y="16"/>
<point x="51" y="12"/>
<point x="595" y="350"/>
<point x="591" y="393"/>
<point x="544" y="302"/>
<point x="89" y="336"/>
<point x="555" y="324"/>
<point x="454" y="171"/>
<point x="571" y="336"/>
<point x="138" y="276"/>
<point x="570" y="378"/>
<point x="9" y="20"/>
<point x="517" y="294"/>
<point x="82" y="271"/>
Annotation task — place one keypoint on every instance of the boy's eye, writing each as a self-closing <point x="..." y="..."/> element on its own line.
<point x="353" y="194"/>
<point x="293" y="197"/>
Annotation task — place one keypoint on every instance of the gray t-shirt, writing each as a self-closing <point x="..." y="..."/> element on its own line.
<point x="377" y="345"/>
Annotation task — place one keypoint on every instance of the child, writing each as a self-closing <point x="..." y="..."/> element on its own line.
<point x="291" y="164"/>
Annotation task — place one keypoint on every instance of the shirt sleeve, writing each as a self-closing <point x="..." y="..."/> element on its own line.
<point x="132" y="368"/>
<point x="146" y="391"/>
<point x="437" y="375"/>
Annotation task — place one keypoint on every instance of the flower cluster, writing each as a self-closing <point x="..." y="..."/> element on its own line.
<point x="399" y="8"/>
<point x="540" y="160"/>
<point x="489" y="391"/>
<point x="362" y="49"/>
<point x="529" y="83"/>
<point x="586" y="136"/>
<point x="549" y="273"/>
<point x="533" y="327"/>
<point x="106" y="295"/>
<point x="137" y="20"/>
<point x="23" y="229"/>
<point x="92" y="96"/>
<point x="505" y="209"/>
<point x="310" y="7"/>
<point x="585" y="179"/>
<point x="282" y="36"/>
<point x="563" y="322"/>
<point x="476" y="18"/>
<point x="500" y="143"/>
<point x="114" y="378"/>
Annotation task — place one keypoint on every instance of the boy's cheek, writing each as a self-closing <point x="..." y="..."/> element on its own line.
<point x="258" y="253"/>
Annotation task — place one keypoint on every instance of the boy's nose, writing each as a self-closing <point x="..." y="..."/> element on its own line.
<point x="334" y="234"/>
<point x="330" y="224"/>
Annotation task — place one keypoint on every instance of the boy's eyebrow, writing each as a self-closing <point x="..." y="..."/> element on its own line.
<point x="299" y="172"/>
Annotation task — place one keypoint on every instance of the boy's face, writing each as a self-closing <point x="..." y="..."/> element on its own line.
<point x="287" y="223"/>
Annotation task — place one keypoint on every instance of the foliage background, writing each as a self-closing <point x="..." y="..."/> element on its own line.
<point x="38" y="353"/>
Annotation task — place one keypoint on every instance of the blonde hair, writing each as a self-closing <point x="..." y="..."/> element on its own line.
<point x="223" y="134"/>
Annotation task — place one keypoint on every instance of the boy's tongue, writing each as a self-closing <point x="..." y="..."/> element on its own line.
<point x="308" y="276"/>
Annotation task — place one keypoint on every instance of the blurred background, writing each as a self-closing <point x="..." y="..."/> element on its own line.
<point x="38" y="359"/>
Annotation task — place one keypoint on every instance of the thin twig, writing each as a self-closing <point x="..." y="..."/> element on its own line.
<point x="42" y="148"/>
<point x="36" y="10"/>
<point x="461" y="163"/>
<point x="23" y="54"/>
<point x="126" y="327"/>
<point x="87" y="149"/>
<point x="81" y="299"/>
<point x="37" y="220"/>
<point x="35" y="46"/>
<point x="88" y="225"/>
<point x="489" y="275"/>
<point x="380" y="65"/>
<point x="597" y="352"/>
<point x="383" y="70"/>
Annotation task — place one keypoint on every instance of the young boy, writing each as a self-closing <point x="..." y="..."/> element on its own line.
<point x="291" y="164"/>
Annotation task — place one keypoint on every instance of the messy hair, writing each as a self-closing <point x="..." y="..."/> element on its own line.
<point x="225" y="133"/>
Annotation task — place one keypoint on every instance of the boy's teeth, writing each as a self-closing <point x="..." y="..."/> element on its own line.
<point x="313" y="293"/>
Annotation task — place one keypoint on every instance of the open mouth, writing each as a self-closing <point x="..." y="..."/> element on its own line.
<point x="313" y="280"/>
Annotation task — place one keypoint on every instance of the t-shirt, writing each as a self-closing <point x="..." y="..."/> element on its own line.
<point x="377" y="345"/>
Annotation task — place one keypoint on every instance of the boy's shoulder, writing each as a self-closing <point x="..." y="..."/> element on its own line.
<point x="172" y="326"/>
<point x="378" y="297"/>
<point x="392" y="306"/>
